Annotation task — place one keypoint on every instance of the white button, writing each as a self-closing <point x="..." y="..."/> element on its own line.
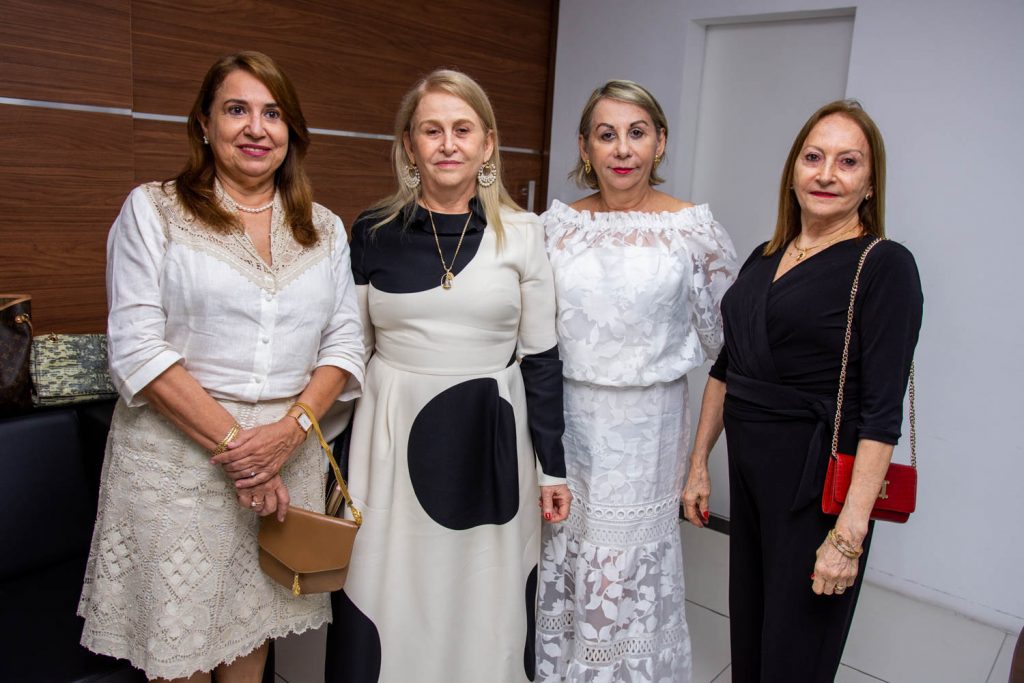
<point x="255" y="379"/>
<point x="268" y="296"/>
<point x="265" y="340"/>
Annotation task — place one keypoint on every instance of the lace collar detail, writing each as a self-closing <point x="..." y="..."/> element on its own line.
<point x="290" y="259"/>
<point x="630" y="220"/>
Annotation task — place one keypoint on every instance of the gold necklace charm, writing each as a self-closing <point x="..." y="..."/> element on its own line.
<point x="803" y="250"/>
<point x="449" y="277"/>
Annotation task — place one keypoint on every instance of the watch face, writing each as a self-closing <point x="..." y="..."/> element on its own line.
<point x="305" y="422"/>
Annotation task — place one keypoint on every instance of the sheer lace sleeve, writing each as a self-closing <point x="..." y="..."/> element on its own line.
<point x="714" y="270"/>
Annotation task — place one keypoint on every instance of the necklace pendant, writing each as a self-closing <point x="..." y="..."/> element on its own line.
<point x="800" y="255"/>
<point x="447" y="279"/>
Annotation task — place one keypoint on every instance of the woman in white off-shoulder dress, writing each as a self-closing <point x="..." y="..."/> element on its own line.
<point x="639" y="276"/>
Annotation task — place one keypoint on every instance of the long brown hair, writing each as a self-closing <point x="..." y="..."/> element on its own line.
<point x="195" y="182"/>
<point x="871" y="210"/>
<point x="460" y="85"/>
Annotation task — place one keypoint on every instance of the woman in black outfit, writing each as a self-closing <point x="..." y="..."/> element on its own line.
<point x="773" y="389"/>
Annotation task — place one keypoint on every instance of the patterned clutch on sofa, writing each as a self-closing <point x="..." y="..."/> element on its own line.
<point x="70" y="368"/>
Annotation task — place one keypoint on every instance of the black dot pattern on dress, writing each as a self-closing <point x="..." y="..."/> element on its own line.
<point x="353" y="644"/>
<point x="463" y="463"/>
<point x="529" y="653"/>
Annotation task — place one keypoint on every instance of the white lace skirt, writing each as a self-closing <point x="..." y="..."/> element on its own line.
<point x="173" y="582"/>
<point x="611" y="576"/>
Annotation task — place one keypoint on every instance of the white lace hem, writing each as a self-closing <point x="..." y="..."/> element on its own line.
<point x="121" y="649"/>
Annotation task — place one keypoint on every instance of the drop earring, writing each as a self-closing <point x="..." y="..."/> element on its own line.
<point x="487" y="174"/>
<point x="586" y="167"/>
<point x="411" y="176"/>
<point x="206" y="140"/>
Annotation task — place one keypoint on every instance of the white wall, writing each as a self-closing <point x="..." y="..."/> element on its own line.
<point x="943" y="81"/>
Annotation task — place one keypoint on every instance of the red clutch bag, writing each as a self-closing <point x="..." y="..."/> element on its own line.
<point x="898" y="495"/>
<point x="896" y="500"/>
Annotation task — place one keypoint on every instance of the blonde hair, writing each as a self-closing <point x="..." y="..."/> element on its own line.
<point x="622" y="91"/>
<point x="460" y="85"/>
<point x="871" y="211"/>
<point x="194" y="184"/>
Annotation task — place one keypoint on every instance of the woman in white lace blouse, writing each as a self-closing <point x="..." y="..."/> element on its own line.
<point x="231" y="299"/>
<point x="639" y="276"/>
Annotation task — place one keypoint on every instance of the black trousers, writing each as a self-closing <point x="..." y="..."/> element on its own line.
<point x="780" y="631"/>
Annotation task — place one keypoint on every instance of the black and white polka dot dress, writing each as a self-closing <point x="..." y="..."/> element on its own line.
<point x="461" y="414"/>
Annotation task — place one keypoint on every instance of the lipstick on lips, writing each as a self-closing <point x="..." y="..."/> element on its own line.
<point x="825" y="195"/>
<point x="622" y="170"/>
<point x="254" y="150"/>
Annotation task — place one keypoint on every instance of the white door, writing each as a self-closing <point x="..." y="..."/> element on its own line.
<point x="759" y="83"/>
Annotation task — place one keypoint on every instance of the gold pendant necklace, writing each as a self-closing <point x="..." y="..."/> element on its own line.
<point x="803" y="250"/>
<point x="448" y="278"/>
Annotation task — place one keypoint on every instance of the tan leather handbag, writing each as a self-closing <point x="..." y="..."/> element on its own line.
<point x="309" y="551"/>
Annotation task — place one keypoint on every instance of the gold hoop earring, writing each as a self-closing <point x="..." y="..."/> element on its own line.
<point x="586" y="167"/>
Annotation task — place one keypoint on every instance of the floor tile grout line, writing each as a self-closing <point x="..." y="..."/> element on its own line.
<point x="710" y="609"/>
<point x="277" y="675"/>
<point x="719" y="674"/>
<point x="871" y="676"/>
<point x="995" y="661"/>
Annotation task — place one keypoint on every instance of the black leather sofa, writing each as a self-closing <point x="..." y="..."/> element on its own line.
<point x="50" y="463"/>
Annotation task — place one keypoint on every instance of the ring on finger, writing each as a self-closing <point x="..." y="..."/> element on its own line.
<point x="252" y="474"/>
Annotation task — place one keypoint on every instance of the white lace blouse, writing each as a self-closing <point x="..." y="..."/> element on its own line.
<point x="638" y="293"/>
<point x="179" y="293"/>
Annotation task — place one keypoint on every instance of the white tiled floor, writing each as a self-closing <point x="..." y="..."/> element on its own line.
<point x="894" y="639"/>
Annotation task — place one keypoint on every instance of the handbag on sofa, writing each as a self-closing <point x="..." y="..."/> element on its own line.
<point x="898" y="496"/>
<point x="70" y="368"/>
<point x="309" y="551"/>
<point x="15" y="352"/>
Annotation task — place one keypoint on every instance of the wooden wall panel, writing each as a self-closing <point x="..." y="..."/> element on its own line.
<point x="352" y="62"/>
<point x="63" y="181"/>
<point x="65" y="51"/>
<point x="67" y="172"/>
<point x="349" y="175"/>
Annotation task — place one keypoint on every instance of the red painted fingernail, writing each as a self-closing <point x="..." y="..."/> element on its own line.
<point x="547" y="516"/>
<point x="706" y="514"/>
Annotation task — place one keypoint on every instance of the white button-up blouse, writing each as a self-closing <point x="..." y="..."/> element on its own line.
<point x="180" y="293"/>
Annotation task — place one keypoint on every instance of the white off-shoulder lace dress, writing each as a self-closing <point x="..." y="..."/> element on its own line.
<point x="638" y="307"/>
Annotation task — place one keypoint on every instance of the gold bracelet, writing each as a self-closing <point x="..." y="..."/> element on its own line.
<point x="223" y="445"/>
<point x="843" y="546"/>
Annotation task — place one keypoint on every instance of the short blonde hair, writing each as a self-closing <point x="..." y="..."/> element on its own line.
<point x="871" y="211"/>
<point x="469" y="91"/>
<point x="622" y="91"/>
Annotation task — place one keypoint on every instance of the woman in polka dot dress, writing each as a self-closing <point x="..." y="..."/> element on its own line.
<point x="458" y="432"/>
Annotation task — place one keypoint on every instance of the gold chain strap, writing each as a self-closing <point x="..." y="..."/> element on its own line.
<point x="846" y="359"/>
<point x="356" y="515"/>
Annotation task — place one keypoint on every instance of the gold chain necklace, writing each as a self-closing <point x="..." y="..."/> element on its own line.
<point x="448" y="277"/>
<point x="803" y="250"/>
